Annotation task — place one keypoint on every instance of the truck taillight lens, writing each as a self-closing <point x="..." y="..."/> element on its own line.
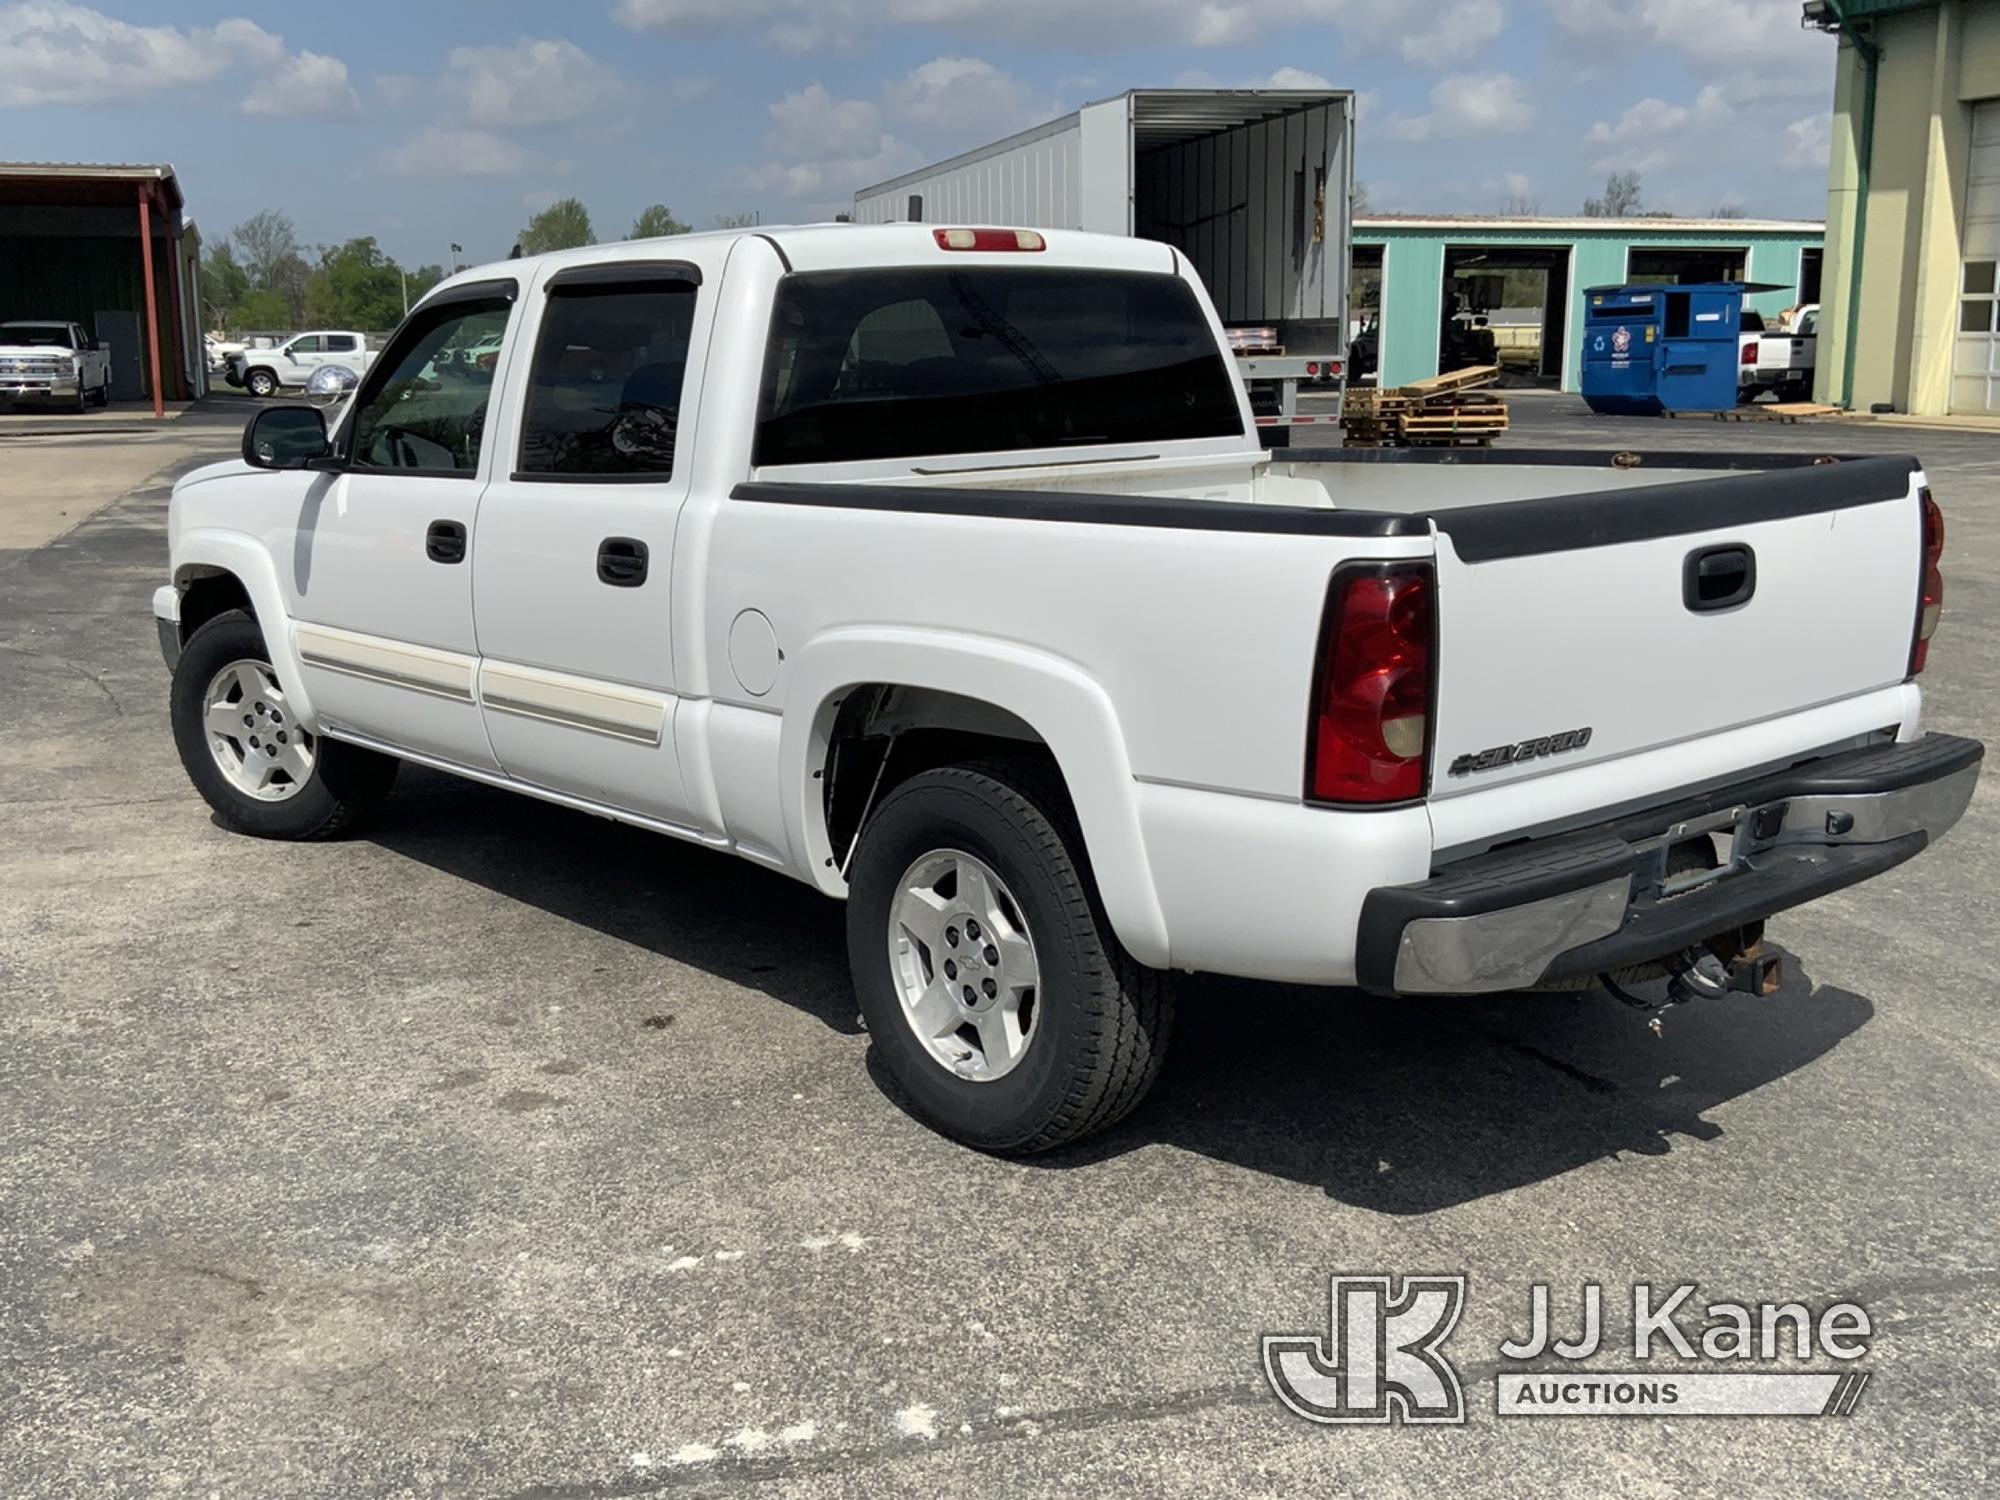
<point x="1369" y="737"/>
<point x="1930" y="597"/>
<point x="1749" y="353"/>
<point x="1312" y="367"/>
<point x="988" y="239"/>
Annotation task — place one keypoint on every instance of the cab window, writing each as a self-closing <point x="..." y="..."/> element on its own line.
<point x="423" y="406"/>
<point x="307" y="345"/>
<point x="604" y="394"/>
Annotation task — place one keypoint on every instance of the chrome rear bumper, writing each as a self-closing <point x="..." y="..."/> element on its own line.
<point x="1606" y="897"/>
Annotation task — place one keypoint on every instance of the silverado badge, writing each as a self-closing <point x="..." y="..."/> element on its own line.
<point x="1508" y="755"/>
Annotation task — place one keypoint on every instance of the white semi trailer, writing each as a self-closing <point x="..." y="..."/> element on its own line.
<point x="1251" y="185"/>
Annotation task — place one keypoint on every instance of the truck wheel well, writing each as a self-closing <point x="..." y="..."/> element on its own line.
<point x="208" y="594"/>
<point x="885" y="733"/>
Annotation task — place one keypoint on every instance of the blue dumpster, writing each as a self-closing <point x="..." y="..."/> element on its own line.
<point x="1656" y="348"/>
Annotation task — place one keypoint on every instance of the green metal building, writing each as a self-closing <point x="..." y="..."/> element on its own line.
<point x="1430" y="280"/>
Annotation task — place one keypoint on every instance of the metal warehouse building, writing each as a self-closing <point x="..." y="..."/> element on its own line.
<point x="108" y="247"/>
<point x="1912" y="313"/>
<point x="1437" y="284"/>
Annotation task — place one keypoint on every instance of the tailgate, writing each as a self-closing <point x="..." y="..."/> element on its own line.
<point x="1584" y="627"/>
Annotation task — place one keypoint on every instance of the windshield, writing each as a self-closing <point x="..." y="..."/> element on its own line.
<point x="36" y="335"/>
<point x="987" y="359"/>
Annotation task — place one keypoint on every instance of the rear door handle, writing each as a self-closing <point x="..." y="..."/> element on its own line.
<point x="621" y="562"/>
<point x="1716" y="578"/>
<point x="445" y="542"/>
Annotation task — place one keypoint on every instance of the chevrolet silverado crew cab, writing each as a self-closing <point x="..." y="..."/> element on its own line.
<point x="53" y="362"/>
<point x="941" y="568"/>
<point x="264" y="372"/>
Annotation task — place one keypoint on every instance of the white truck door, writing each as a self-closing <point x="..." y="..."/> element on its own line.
<point x="381" y="559"/>
<point x="298" y="359"/>
<point x="573" y="562"/>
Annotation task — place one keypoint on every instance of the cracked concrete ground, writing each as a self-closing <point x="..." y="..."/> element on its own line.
<point x="504" y="1151"/>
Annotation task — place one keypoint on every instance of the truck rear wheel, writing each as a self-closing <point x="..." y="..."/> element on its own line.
<point x="993" y="988"/>
<point x="247" y="755"/>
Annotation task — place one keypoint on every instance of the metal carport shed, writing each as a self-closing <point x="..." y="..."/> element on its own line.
<point x="108" y="247"/>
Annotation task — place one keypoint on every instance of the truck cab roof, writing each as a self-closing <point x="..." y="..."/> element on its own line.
<point x="840" y="247"/>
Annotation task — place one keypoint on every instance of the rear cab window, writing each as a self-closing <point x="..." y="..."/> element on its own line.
<point x="904" y="363"/>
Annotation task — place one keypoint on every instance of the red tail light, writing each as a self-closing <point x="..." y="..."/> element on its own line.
<point x="1749" y="353"/>
<point x="1930" y="596"/>
<point x="1369" y="740"/>
<point x="988" y="239"/>
<point x="1312" y="367"/>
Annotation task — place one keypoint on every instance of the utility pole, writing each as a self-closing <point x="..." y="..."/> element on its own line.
<point x="406" y="290"/>
<point x="456" y="251"/>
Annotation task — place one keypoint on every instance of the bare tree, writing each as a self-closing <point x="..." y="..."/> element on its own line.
<point x="1359" y="199"/>
<point x="735" y="221"/>
<point x="1729" y="211"/>
<point x="1620" y="200"/>
<point x="1520" y="205"/>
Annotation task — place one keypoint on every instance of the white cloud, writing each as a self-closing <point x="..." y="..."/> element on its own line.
<point x="1758" y="36"/>
<point x="963" y="97"/>
<point x="812" y="123"/>
<point x="1808" y="143"/>
<point x="395" y="87"/>
<point x="821" y="148"/>
<point x="1646" y="121"/>
<point x="55" y="52"/>
<point x="443" y="152"/>
<point x="307" y="85"/>
<point x="1469" y="104"/>
<point x="533" y="82"/>
<point x="1423" y="31"/>
<point x="1295" y="78"/>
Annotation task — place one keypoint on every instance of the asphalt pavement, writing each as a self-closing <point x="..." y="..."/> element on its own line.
<point x="509" y="1152"/>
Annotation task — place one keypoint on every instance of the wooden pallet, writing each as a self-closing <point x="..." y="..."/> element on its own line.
<point x="1453" y="407"/>
<point x="1780" y="411"/>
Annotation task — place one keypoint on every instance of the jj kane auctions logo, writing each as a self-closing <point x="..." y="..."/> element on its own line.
<point x="1381" y="1359"/>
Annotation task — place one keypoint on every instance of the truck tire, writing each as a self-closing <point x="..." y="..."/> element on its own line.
<point x="258" y="769"/>
<point x="82" y="396"/>
<point x="262" y="383"/>
<point x="994" y="990"/>
<point x="104" y="390"/>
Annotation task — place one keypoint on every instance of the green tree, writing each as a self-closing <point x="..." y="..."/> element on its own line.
<point x="563" y="225"/>
<point x="354" y="286"/>
<point x="655" y="222"/>
<point x="263" y="312"/>
<point x="735" y="221"/>
<point x="423" y="279"/>
<point x="224" y="284"/>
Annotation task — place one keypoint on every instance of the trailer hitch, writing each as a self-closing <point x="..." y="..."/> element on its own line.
<point x="1732" y="963"/>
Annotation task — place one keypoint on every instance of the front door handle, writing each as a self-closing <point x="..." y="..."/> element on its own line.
<point x="621" y="562"/>
<point x="445" y="542"/>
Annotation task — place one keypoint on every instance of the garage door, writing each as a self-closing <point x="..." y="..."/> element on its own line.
<point x="1975" y="364"/>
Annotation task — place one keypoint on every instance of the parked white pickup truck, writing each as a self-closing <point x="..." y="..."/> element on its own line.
<point x="942" y="569"/>
<point x="1779" y="356"/>
<point x="264" y="372"/>
<point x="53" y="362"/>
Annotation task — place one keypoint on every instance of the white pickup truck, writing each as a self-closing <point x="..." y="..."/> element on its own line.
<point x="53" y="362"/>
<point x="1778" y="356"/>
<point x="265" y="372"/>
<point x="942" y="569"/>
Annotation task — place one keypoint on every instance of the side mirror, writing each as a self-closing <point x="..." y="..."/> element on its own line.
<point x="285" y="437"/>
<point x="330" y="385"/>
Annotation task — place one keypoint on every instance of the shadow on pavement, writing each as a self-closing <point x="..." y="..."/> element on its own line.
<point x="1409" y="1106"/>
<point x="1396" y="1106"/>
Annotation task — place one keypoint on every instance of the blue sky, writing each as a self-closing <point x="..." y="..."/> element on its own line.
<point x="431" y="121"/>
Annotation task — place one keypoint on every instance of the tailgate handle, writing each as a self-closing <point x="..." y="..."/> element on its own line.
<point x="1719" y="577"/>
